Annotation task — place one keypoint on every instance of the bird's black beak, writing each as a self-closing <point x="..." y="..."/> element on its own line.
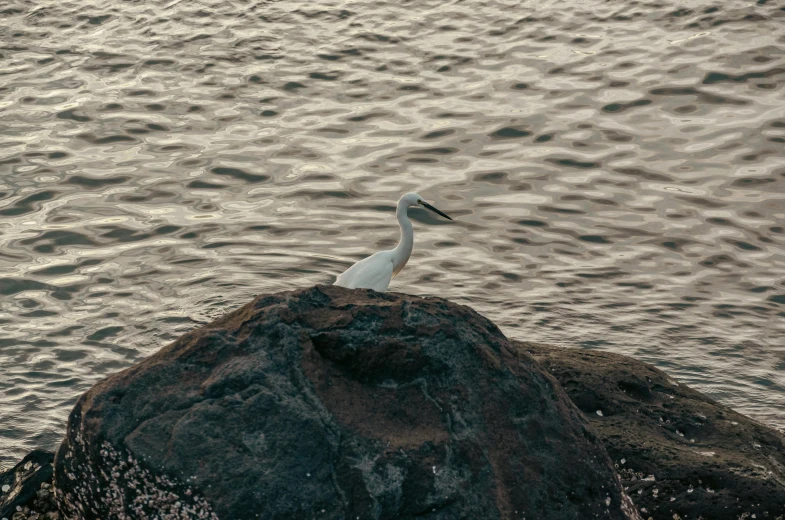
<point x="425" y="204"/>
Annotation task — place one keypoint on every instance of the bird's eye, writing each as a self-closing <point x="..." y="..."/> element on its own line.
<point x="419" y="202"/>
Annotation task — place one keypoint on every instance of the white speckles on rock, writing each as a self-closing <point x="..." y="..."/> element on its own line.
<point x="6" y="488"/>
<point x="131" y="494"/>
<point x="599" y="412"/>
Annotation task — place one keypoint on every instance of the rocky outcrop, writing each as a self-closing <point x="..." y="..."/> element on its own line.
<point x="680" y="454"/>
<point x="334" y="403"/>
<point x="25" y="483"/>
<point x="388" y="403"/>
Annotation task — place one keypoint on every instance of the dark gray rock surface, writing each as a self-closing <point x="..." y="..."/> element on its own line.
<point x="333" y="403"/>
<point x="18" y="485"/>
<point x="680" y="454"/>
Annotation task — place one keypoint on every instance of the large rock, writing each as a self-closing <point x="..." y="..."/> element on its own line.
<point x="680" y="454"/>
<point x="334" y="403"/>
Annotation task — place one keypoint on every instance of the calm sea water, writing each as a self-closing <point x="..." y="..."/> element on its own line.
<point x="616" y="171"/>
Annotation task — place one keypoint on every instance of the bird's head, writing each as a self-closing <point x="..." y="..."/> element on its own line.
<point x="413" y="199"/>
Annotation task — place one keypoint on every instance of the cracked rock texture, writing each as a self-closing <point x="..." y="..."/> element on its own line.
<point x="333" y="403"/>
<point x="680" y="454"/>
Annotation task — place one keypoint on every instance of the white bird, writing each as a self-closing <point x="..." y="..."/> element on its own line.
<point x="376" y="271"/>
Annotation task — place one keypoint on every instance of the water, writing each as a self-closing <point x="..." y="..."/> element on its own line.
<point x="616" y="171"/>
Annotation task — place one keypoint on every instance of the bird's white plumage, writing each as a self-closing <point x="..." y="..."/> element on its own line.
<point x="376" y="271"/>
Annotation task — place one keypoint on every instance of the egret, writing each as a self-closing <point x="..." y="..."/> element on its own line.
<point x="376" y="271"/>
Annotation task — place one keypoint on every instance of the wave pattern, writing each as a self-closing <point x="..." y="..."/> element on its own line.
<point x="616" y="171"/>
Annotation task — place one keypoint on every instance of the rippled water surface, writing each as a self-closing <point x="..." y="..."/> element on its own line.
<point x="616" y="171"/>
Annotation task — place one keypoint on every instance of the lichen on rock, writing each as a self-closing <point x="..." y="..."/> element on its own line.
<point x="105" y="481"/>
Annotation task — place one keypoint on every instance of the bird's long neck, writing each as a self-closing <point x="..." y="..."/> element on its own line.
<point x="403" y="250"/>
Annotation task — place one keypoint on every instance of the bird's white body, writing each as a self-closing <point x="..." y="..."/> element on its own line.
<point x="376" y="271"/>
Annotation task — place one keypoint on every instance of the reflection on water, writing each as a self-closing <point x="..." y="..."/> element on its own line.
<point x="616" y="172"/>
